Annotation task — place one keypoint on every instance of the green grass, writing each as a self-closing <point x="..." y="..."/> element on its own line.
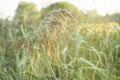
<point x="56" y="52"/>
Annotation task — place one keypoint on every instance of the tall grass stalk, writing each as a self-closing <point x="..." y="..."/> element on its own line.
<point x="54" y="51"/>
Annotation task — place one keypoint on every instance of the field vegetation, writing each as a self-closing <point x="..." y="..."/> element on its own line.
<point x="59" y="46"/>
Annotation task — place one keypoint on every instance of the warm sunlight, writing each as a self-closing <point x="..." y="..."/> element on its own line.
<point x="59" y="39"/>
<point x="7" y="8"/>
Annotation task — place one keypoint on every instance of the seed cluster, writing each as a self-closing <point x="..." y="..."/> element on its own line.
<point x="54" y="28"/>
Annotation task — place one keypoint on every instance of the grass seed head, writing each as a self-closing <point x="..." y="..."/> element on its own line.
<point x="54" y="28"/>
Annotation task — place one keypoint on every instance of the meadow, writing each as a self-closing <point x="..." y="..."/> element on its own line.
<point x="60" y="49"/>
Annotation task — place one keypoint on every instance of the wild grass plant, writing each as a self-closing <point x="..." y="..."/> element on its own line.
<point x="54" y="51"/>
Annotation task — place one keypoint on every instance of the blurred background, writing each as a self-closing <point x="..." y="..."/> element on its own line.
<point x="92" y="11"/>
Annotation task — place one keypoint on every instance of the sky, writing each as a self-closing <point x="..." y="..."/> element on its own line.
<point x="8" y="7"/>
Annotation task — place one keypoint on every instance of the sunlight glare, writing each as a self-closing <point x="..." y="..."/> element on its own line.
<point x="8" y="7"/>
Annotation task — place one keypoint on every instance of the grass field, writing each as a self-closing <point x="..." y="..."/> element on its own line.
<point x="54" y="51"/>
